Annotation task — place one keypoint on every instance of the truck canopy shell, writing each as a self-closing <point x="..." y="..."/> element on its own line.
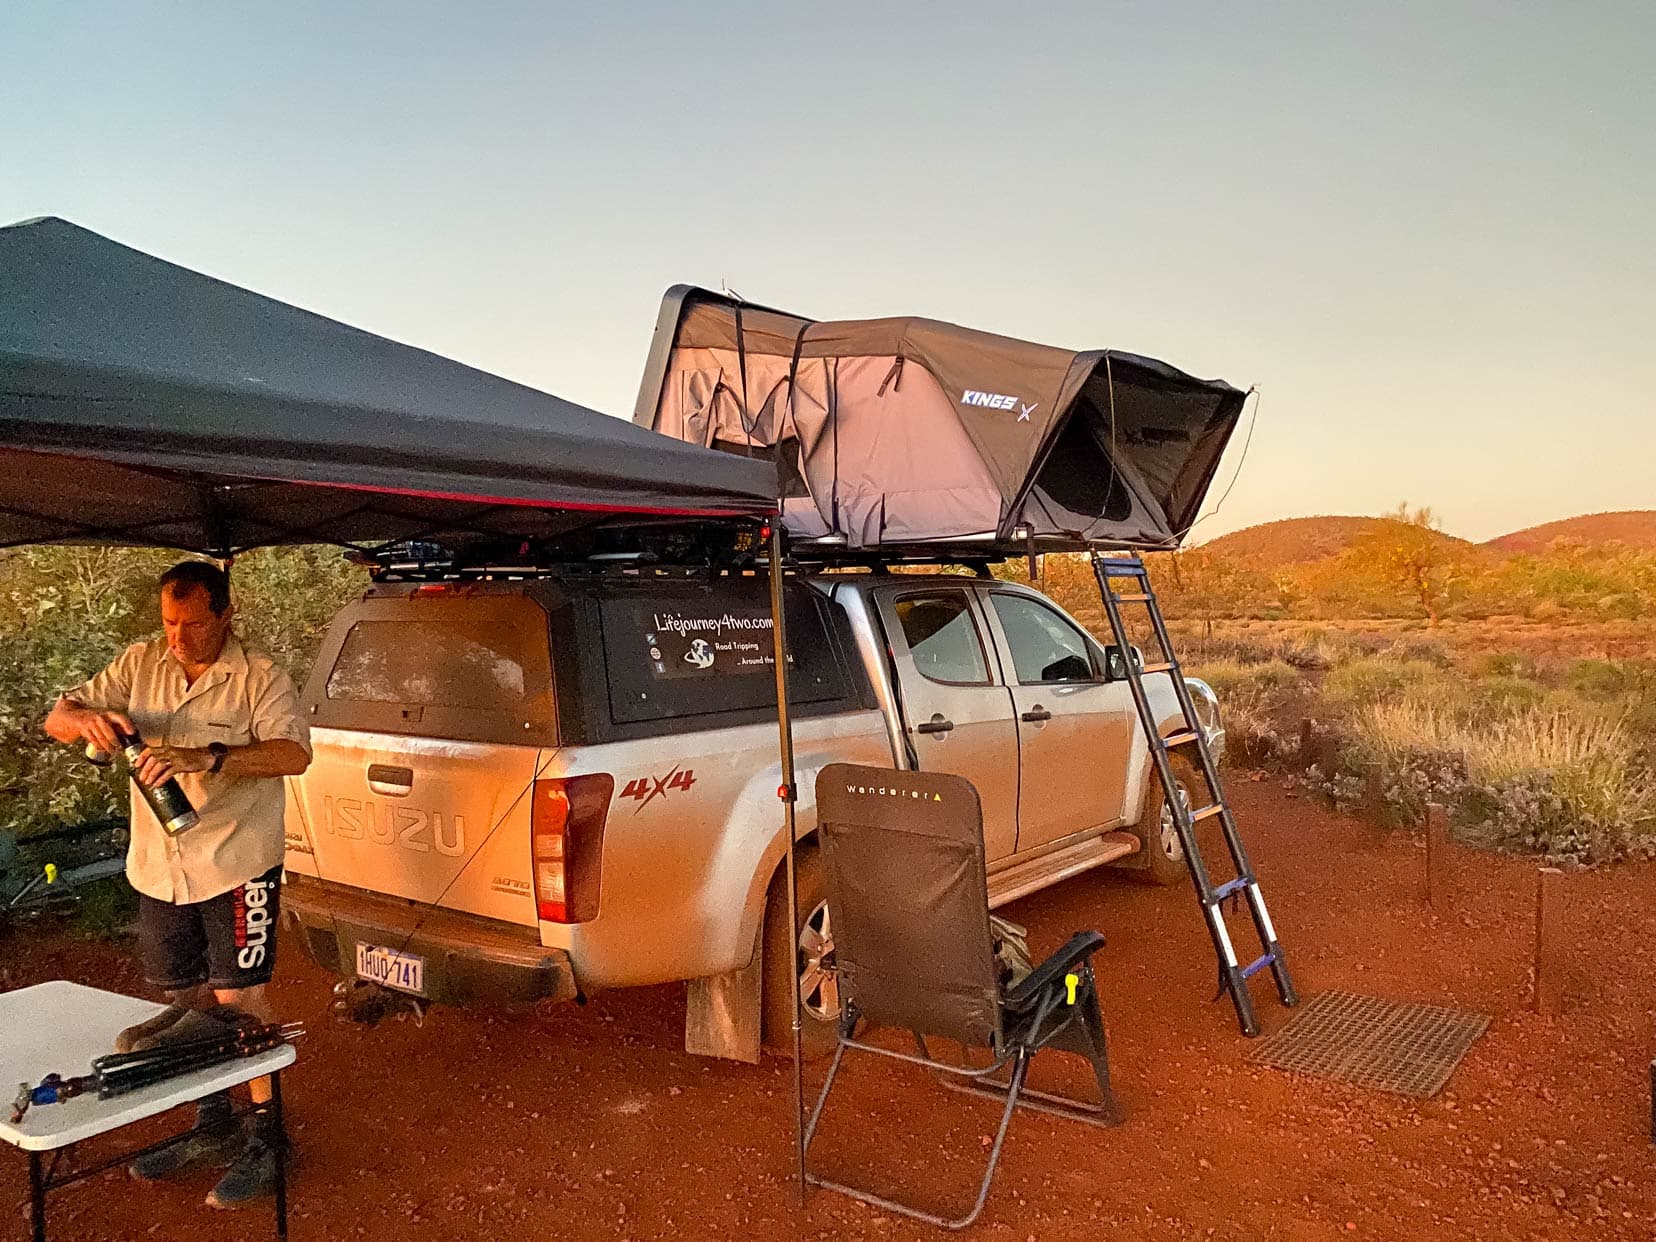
<point x="890" y="433"/>
<point x="145" y="403"/>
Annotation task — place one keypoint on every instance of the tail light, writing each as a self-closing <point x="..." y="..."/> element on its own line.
<point x="567" y="826"/>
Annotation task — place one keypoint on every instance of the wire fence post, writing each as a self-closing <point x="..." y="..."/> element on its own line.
<point x="1439" y="890"/>
<point x="1551" y="955"/>
<point x="1374" y="794"/>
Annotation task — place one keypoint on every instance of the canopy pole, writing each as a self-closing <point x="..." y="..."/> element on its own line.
<point x="789" y="795"/>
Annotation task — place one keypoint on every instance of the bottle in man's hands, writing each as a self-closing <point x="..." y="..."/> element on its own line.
<point x="167" y="800"/>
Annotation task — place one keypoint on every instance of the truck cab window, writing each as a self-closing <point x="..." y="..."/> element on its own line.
<point x="1045" y="647"/>
<point x="942" y="638"/>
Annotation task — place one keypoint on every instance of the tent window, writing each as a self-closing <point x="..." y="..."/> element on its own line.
<point x="1079" y="474"/>
<point x="789" y="481"/>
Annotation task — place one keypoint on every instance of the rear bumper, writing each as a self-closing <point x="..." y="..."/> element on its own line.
<point x="468" y="960"/>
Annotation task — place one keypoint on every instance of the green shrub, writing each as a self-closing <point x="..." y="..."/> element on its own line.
<point x="1421" y="651"/>
<point x="1382" y="678"/>
<point x="106" y="908"/>
<point x="1620" y="607"/>
<point x="1504" y="664"/>
<point x="66" y="612"/>
<point x="1607" y="680"/>
<point x="1229" y="677"/>
<point x="1507" y="694"/>
<point x="285" y="598"/>
<point x="1553" y="782"/>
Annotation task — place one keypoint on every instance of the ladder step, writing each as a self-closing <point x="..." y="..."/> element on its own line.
<point x="1122" y="580"/>
<point x="1230" y="886"/>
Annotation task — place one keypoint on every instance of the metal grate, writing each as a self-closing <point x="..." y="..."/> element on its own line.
<point x="1411" y="1049"/>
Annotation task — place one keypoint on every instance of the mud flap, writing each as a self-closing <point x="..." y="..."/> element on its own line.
<point x="721" y="1018"/>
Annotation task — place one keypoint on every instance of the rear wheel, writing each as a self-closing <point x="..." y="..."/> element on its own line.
<point x="802" y="962"/>
<point x="1164" y="852"/>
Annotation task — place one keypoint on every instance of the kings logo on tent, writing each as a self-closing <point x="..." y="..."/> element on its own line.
<point x="989" y="400"/>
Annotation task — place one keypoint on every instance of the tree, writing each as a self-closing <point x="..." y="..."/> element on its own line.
<point x="1409" y="551"/>
<point x="1207" y="586"/>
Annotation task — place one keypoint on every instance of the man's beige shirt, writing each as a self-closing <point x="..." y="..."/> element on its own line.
<point x="242" y="697"/>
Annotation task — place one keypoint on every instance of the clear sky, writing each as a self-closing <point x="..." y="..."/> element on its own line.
<point x="1426" y="231"/>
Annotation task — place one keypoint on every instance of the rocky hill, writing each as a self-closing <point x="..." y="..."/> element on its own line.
<point x="1299" y="541"/>
<point x="1634" y="527"/>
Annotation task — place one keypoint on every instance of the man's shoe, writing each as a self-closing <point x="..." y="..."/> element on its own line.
<point x="192" y="1025"/>
<point x="215" y="1137"/>
<point x="211" y="1146"/>
<point x="251" y="1177"/>
<point x="128" y="1039"/>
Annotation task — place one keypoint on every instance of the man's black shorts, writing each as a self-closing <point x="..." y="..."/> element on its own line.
<point x="228" y="941"/>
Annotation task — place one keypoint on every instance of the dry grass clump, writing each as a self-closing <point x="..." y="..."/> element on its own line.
<point x="1548" y="757"/>
<point x="1233" y="676"/>
<point x="1590" y="763"/>
<point x="1382" y="678"/>
<point x="1317" y="648"/>
<point x="1254" y="699"/>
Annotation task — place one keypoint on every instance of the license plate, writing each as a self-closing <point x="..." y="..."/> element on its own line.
<point x="403" y="971"/>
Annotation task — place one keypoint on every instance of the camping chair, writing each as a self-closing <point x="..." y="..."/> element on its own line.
<point x="908" y="901"/>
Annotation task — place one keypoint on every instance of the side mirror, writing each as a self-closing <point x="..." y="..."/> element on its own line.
<point x="1115" y="668"/>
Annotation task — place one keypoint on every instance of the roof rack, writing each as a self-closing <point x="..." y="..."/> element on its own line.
<point x="442" y="571"/>
<point x="683" y="549"/>
<point x="650" y="553"/>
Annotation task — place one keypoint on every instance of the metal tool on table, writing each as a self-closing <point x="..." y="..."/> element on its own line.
<point x="121" y="1072"/>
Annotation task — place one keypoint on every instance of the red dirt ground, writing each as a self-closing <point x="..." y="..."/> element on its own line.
<point x="595" y="1125"/>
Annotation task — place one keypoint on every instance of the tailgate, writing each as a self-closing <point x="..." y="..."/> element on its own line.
<point x="431" y="820"/>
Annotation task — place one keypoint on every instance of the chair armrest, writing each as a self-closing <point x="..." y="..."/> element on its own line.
<point x="1076" y="949"/>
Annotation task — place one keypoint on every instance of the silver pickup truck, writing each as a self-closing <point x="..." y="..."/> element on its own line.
<point x="536" y="789"/>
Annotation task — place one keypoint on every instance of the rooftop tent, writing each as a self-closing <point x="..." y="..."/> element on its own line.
<point x="898" y="432"/>
<point x="144" y="403"/>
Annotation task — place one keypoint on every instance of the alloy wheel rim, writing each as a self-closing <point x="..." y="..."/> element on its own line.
<point x="818" y="976"/>
<point x="1169" y="834"/>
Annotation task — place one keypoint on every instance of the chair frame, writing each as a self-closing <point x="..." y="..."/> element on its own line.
<point x="1037" y="996"/>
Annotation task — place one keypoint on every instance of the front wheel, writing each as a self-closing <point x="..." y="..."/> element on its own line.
<point x="802" y="962"/>
<point x="1164" y="852"/>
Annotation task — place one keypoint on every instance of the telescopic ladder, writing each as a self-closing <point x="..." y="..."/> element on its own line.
<point x="1129" y="572"/>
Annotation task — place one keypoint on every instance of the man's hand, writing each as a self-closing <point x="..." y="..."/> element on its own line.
<point x="69" y="722"/>
<point x="157" y="763"/>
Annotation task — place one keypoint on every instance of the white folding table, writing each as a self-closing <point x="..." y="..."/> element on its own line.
<point x="59" y="1027"/>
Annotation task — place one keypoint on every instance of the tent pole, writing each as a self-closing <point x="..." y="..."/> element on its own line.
<point x="789" y="794"/>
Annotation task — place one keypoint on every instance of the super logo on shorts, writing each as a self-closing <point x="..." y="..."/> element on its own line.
<point x="252" y="918"/>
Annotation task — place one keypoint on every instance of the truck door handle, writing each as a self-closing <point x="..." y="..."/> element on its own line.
<point x="393" y="782"/>
<point x="937" y="724"/>
<point x="1036" y="714"/>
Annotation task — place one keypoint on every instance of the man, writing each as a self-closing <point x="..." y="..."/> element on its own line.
<point x="225" y="721"/>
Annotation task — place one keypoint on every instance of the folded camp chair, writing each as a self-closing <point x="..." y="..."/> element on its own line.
<point x="908" y="901"/>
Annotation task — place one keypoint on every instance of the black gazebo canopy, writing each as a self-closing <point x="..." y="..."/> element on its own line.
<point x="145" y="403"/>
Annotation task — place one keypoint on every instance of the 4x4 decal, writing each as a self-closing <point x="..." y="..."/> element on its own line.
<point x="648" y="788"/>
